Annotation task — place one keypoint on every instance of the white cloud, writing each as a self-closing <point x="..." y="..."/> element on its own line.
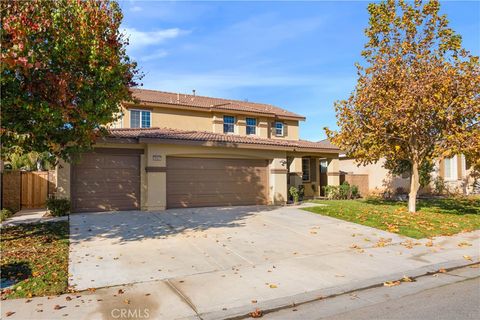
<point x="219" y="83"/>
<point x="136" y="9"/>
<point x="161" y="53"/>
<point x="139" y="39"/>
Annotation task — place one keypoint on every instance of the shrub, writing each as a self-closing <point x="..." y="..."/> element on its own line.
<point x="343" y="191"/>
<point x="294" y="193"/>
<point x="354" y="192"/>
<point x="58" y="207"/>
<point x="439" y="186"/>
<point x="301" y="191"/>
<point x="5" y="214"/>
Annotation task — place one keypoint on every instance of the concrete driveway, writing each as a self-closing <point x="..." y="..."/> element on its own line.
<point x="116" y="248"/>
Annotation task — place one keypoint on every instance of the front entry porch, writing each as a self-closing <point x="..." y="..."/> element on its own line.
<point x="312" y="172"/>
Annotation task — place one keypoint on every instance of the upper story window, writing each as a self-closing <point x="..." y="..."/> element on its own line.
<point x="306" y="169"/>
<point x="140" y="119"/>
<point x="279" y="129"/>
<point x="251" y="125"/>
<point x="228" y="124"/>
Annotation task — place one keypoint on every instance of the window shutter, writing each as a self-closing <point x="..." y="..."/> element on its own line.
<point x="459" y="166"/>
<point x="272" y="129"/>
<point x="285" y="130"/>
<point x="441" y="171"/>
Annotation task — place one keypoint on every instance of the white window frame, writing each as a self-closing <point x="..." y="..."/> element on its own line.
<point x="140" y="110"/>
<point x="282" y="129"/>
<point x="453" y="174"/>
<point x="233" y="124"/>
<point x="251" y="126"/>
<point x="308" y="170"/>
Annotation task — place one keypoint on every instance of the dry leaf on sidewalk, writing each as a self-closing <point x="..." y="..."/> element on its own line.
<point x="256" y="314"/>
<point x="391" y="283"/>
<point x="468" y="257"/>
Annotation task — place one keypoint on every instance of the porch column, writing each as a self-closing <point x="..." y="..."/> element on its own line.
<point x="333" y="172"/>
<point x="154" y="182"/>
<point x="296" y="172"/>
<point x="316" y="161"/>
<point x="278" y="181"/>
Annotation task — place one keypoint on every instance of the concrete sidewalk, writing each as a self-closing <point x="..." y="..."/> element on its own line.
<point x="27" y="216"/>
<point x="236" y="292"/>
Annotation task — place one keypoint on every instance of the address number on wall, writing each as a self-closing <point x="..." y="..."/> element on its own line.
<point x="157" y="157"/>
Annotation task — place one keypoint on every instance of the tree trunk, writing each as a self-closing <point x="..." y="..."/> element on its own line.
<point x="414" y="186"/>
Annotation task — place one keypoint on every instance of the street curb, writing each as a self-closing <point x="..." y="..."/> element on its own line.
<point x="325" y="293"/>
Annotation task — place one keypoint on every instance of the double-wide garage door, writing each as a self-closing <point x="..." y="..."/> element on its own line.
<point x="106" y="181"/>
<point x="201" y="182"/>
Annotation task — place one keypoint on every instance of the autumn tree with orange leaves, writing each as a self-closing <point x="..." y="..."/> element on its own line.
<point x="418" y="91"/>
<point x="64" y="73"/>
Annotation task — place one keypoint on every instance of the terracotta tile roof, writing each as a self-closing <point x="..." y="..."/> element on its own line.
<point x="204" y="136"/>
<point x="209" y="103"/>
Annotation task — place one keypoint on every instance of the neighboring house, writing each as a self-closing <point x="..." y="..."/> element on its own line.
<point x="176" y="150"/>
<point x="375" y="178"/>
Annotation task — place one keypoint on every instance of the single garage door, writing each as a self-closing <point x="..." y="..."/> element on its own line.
<point x="200" y="182"/>
<point x="104" y="182"/>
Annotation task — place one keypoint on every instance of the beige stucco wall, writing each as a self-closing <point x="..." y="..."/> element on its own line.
<point x="163" y="116"/>
<point x="379" y="179"/>
<point x="62" y="176"/>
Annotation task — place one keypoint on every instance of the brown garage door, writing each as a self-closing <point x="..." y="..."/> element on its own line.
<point x="199" y="182"/>
<point x="104" y="182"/>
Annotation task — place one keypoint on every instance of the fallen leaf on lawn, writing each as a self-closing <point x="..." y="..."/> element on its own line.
<point x="9" y="313"/>
<point x="256" y="314"/>
<point x="442" y="270"/>
<point x="464" y="244"/>
<point x="467" y="258"/>
<point x="273" y="286"/>
<point x="391" y="283"/>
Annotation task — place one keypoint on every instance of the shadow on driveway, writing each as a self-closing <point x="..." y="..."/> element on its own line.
<point x="125" y="226"/>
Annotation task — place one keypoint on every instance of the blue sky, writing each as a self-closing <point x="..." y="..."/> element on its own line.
<point x="296" y="55"/>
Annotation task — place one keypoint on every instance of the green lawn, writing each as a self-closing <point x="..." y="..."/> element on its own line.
<point x="35" y="258"/>
<point x="434" y="217"/>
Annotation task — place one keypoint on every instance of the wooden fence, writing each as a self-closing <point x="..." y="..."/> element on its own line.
<point x="359" y="180"/>
<point x="26" y="190"/>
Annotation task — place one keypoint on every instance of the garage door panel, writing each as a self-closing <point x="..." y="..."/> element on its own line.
<point x="101" y="182"/>
<point x="215" y="164"/>
<point x="214" y="182"/>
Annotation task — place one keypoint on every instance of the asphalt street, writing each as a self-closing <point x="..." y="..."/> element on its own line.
<point x="443" y="297"/>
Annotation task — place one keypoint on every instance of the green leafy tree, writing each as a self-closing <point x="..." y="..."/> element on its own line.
<point x="418" y="91"/>
<point x="64" y="73"/>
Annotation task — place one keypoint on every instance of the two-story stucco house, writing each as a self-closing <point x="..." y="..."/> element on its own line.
<point x="176" y="150"/>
